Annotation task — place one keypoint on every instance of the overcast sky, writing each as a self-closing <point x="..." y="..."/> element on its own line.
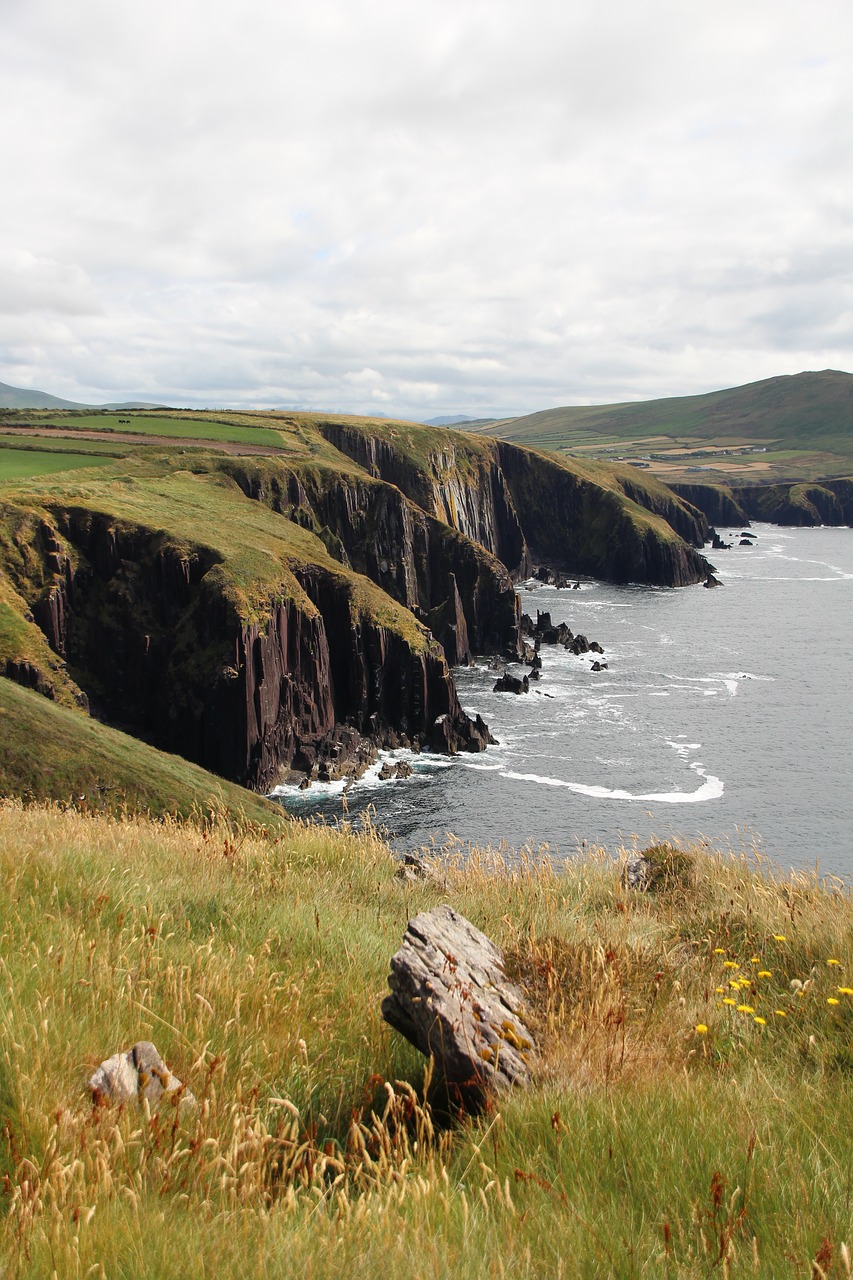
<point x="419" y="208"/>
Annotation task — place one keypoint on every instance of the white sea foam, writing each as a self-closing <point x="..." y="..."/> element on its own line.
<point x="711" y="789"/>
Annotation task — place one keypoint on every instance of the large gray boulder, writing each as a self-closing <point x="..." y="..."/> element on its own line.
<point x="450" y="996"/>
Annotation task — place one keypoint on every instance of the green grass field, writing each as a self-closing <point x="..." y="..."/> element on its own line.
<point x="178" y="428"/>
<point x="17" y="464"/>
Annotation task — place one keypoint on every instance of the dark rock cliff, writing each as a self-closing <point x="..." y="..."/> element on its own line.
<point x="420" y="561"/>
<point x="804" y="503"/>
<point x="576" y="525"/>
<point x="716" y="501"/>
<point x="151" y="631"/>
<point x="524" y="507"/>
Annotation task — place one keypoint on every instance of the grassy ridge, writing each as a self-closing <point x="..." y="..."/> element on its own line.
<point x="800" y="419"/>
<point x="50" y="752"/>
<point x="649" y="1146"/>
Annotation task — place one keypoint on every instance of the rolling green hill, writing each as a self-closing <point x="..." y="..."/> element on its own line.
<point x="803" y="422"/>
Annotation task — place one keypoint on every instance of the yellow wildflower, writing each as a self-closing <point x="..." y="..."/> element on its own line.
<point x="755" y="959"/>
<point x="780" y="1013"/>
<point x="765" y="973"/>
<point x="779" y="937"/>
<point x="745" y="1008"/>
<point x="831" y="961"/>
<point x="729" y="1000"/>
<point x="846" y="991"/>
<point x="762" y="1022"/>
<point x="701" y="1029"/>
<point x="730" y="964"/>
<point x="832" y="1000"/>
<point x="719" y="951"/>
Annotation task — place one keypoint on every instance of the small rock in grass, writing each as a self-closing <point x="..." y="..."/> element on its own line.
<point x="136" y="1074"/>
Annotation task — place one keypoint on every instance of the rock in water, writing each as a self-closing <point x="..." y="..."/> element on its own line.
<point x="451" y="998"/>
<point x="139" y="1073"/>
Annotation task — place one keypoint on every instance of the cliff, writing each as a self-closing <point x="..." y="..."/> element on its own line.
<point x="824" y="502"/>
<point x="248" y="651"/>
<point x="524" y="506"/>
<point x="717" y="502"/>
<point x="254" y="613"/>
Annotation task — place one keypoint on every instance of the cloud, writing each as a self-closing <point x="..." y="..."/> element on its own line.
<point x="491" y="207"/>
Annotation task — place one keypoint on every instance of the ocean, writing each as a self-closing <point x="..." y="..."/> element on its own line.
<point x="723" y="715"/>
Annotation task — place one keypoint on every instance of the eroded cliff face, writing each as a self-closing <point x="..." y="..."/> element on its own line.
<point x="152" y="631"/>
<point x="525" y="508"/>
<point x="419" y="560"/>
<point x="807" y="503"/>
<point x="716" y="501"/>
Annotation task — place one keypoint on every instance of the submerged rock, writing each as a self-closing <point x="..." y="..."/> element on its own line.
<point x="512" y="684"/>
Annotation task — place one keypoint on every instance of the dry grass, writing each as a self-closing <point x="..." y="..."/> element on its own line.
<point x="669" y="1133"/>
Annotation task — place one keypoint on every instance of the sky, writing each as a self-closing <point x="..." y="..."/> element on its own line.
<point x="454" y="206"/>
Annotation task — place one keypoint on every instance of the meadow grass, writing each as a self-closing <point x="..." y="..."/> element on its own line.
<point x="15" y="464"/>
<point x="186" y="428"/>
<point x="668" y="1132"/>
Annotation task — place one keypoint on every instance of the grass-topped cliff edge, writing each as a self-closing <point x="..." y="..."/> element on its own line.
<point x="689" y="1115"/>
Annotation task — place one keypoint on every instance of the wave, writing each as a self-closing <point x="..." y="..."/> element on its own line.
<point x="711" y="789"/>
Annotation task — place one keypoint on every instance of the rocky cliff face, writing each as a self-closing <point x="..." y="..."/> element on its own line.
<point x="716" y="501"/>
<point x="420" y="561"/>
<point x="807" y="503"/>
<point x="582" y="527"/>
<point x="151" y="631"/>
<point x="524" y="508"/>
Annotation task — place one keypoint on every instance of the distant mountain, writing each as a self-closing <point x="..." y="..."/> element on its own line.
<point x="804" y="411"/>
<point x="23" y="398"/>
<point x="453" y="420"/>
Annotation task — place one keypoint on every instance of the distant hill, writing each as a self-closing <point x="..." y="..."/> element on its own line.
<point x="24" y="398"/>
<point x="805" y="413"/>
<point x="453" y="420"/>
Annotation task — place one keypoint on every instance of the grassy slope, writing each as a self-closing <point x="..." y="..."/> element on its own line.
<point x="809" y="411"/>
<point x="645" y="1148"/>
<point x="50" y="752"/>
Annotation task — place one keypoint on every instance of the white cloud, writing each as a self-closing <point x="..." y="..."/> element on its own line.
<point x="490" y="207"/>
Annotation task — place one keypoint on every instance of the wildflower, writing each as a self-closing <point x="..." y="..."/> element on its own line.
<point x="831" y="961"/>
<point x="745" y="1008"/>
<point x="779" y="937"/>
<point x="701" y="1029"/>
<point x="718" y="991"/>
<point x="832" y="1000"/>
<point x="736" y="985"/>
<point x="765" y="973"/>
<point x="755" y="959"/>
<point x="719" y="951"/>
<point x="762" y="1022"/>
<point x="846" y="991"/>
<point x="729" y="1000"/>
<point x="730" y="964"/>
<point x="780" y="1013"/>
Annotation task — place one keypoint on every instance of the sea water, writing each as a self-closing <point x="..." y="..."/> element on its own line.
<point x="723" y="714"/>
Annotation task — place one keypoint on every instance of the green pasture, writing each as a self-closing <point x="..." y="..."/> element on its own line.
<point x="176" y="428"/>
<point x="17" y="464"/>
